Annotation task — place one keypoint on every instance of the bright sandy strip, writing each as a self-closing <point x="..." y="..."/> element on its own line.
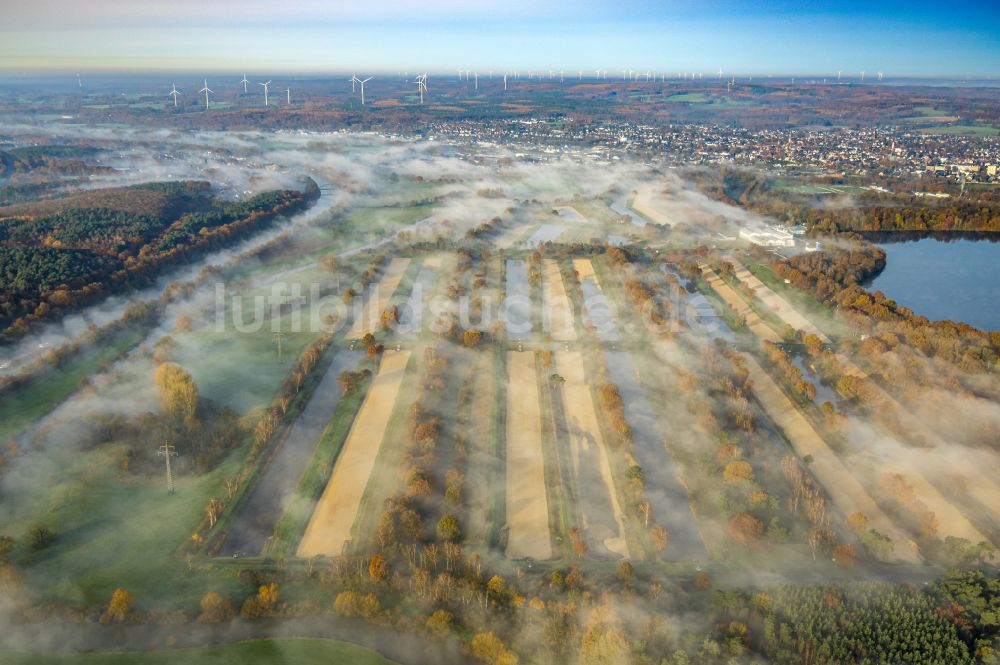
<point x="433" y="261"/>
<point x="585" y="431"/>
<point x="330" y="525"/>
<point x="558" y="315"/>
<point x="644" y="204"/>
<point x="951" y="521"/>
<point x="776" y="303"/>
<point x="372" y="311"/>
<point x="527" y="504"/>
<point x="586" y="270"/>
<point x="846" y="493"/>
<point x="739" y="305"/>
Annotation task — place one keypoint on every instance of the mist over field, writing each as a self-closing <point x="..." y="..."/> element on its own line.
<point x="655" y="430"/>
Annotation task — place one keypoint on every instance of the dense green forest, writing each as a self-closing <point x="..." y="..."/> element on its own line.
<point x="65" y="252"/>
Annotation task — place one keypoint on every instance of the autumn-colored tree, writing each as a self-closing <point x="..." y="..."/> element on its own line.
<point x="177" y="390"/>
<point x="660" y="536"/>
<point x="449" y="529"/>
<point x="440" y="622"/>
<point x="844" y="555"/>
<point x="471" y="338"/>
<point x="267" y="596"/>
<point x="377" y="568"/>
<point x="578" y="543"/>
<point x="702" y="580"/>
<point x="738" y="471"/>
<point x="490" y="649"/>
<point x="604" y="640"/>
<point x="215" y="609"/>
<point x="745" y="528"/>
<point x="119" y="608"/>
<point x="353" y="604"/>
<point x="858" y="522"/>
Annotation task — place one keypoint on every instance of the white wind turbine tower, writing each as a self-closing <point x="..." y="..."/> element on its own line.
<point x="862" y="76"/>
<point x="880" y="75"/>
<point x="174" y="93"/>
<point x="720" y="73"/>
<point x="206" y="90"/>
<point x="561" y="78"/>
<point x="505" y="81"/>
<point x="288" y="91"/>
<point x="460" y="74"/>
<point x="353" y="80"/>
<point x="244" y="82"/>
<point x="580" y="75"/>
<point x="362" y="82"/>
<point x="265" y="90"/>
<point x="477" y="80"/>
<point x="839" y="72"/>
<point x="421" y="82"/>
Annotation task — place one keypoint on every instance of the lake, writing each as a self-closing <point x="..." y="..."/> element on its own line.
<point x="944" y="279"/>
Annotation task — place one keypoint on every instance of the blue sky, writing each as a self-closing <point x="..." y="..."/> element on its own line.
<point x="900" y="38"/>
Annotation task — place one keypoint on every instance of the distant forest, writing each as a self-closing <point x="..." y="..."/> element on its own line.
<point x="865" y="213"/>
<point x="62" y="253"/>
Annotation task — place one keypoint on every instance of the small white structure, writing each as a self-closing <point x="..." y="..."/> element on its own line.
<point x="768" y="236"/>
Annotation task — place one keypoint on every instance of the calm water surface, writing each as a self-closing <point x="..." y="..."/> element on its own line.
<point x="956" y="279"/>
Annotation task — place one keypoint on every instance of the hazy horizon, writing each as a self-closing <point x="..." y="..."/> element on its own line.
<point x="901" y="39"/>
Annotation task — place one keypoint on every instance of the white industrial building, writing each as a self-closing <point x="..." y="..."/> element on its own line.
<point x="768" y="236"/>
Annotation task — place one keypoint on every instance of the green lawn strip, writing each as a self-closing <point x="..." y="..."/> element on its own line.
<point x="498" y="447"/>
<point x="814" y="310"/>
<point x="276" y="651"/>
<point x="772" y="320"/>
<point x="40" y="395"/>
<point x="562" y="514"/>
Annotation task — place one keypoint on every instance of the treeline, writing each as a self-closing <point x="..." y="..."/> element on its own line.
<point x="49" y="158"/>
<point x="77" y="256"/>
<point x="866" y="212"/>
<point x="953" y="216"/>
<point x="834" y="277"/>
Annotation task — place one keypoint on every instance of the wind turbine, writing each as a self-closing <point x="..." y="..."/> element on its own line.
<point x="421" y="82"/>
<point x="206" y="90"/>
<point x="265" y="90"/>
<point x="862" y="76"/>
<point x="174" y="93"/>
<point x="880" y="75"/>
<point x="505" y="81"/>
<point x="353" y="80"/>
<point x="477" y="80"/>
<point x="79" y="81"/>
<point x="244" y="82"/>
<point x="839" y="72"/>
<point x="288" y="91"/>
<point x="362" y="82"/>
<point x="720" y="73"/>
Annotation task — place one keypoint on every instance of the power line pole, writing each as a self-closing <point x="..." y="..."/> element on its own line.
<point x="168" y="451"/>
<point x="278" y="336"/>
